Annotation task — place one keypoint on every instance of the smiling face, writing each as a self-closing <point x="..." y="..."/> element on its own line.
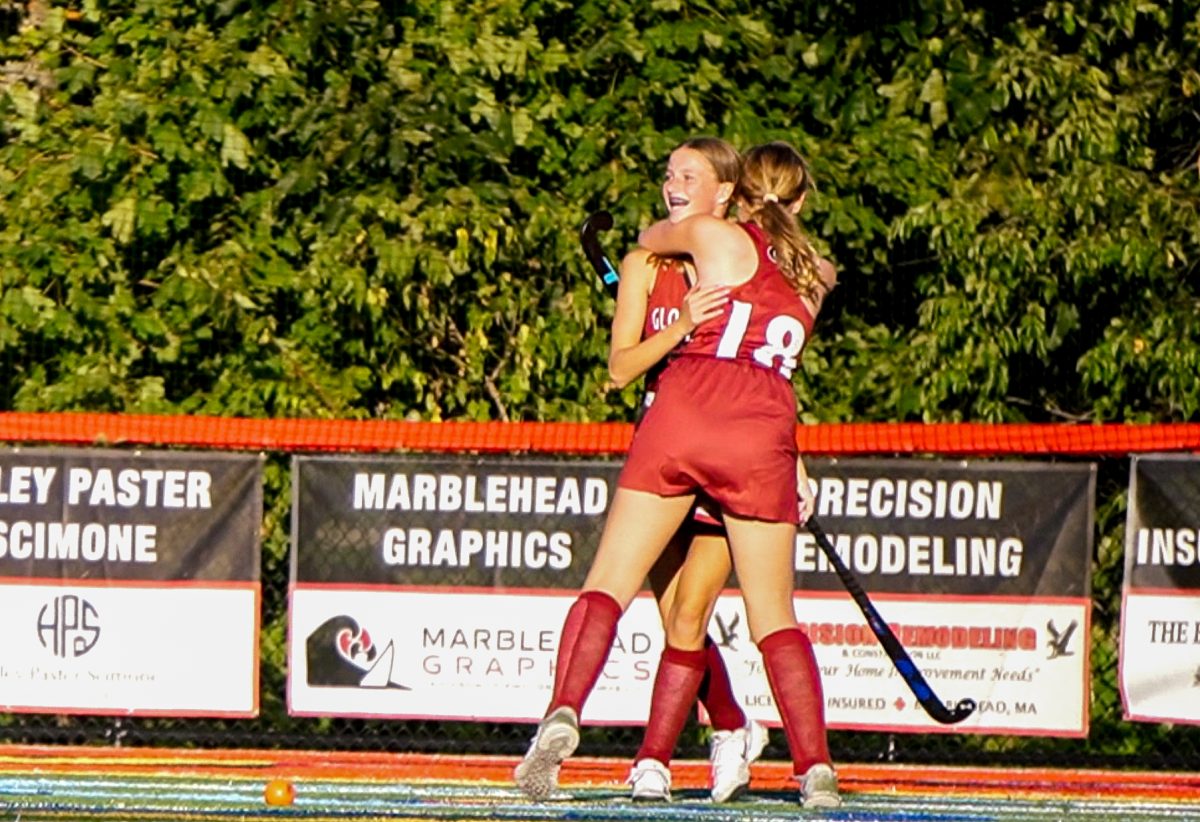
<point x="691" y="186"/>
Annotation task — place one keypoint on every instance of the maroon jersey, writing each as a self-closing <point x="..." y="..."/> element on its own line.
<point x="671" y="285"/>
<point x="723" y="422"/>
<point x="765" y="321"/>
<point x="662" y="309"/>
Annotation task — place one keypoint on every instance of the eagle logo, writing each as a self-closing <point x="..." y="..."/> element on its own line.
<point x="342" y="654"/>
<point x="1058" y="642"/>
<point x="727" y="630"/>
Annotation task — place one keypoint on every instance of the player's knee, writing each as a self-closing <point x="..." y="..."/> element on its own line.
<point x="686" y="626"/>
<point x="763" y="626"/>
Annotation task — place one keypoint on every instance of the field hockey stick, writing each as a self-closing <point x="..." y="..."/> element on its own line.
<point x="589" y="235"/>
<point x="933" y="706"/>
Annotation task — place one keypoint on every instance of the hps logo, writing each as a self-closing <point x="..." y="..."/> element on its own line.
<point x="68" y="626"/>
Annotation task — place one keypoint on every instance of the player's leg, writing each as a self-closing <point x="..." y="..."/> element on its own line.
<point x="701" y="579"/>
<point x="638" y="527"/>
<point x="664" y="573"/>
<point x="682" y="660"/>
<point x="682" y="667"/>
<point x="763" y="554"/>
<point x="735" y="742"/>
<point x="649" y="779"/>
<point x="691" y="655"/>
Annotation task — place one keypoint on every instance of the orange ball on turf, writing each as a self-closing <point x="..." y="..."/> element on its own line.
<point x="280" y="792"/>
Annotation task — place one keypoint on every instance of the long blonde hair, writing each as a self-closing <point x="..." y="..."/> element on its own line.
<point x="774" y="176"/>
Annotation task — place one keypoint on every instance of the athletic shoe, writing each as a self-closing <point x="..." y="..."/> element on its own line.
<point x="756" y="740"/>
<point x="650" y="781"/>
<point x="730" y="755"/>
<point x="818" y="788"/>
<point x="557" y="738"/>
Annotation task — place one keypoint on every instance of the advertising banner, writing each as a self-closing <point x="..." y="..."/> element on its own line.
<point x="983" y="571"/>
<point x="1160" y="610"/>
<point x="129" y="582"/>
<point x="436" y="587"/>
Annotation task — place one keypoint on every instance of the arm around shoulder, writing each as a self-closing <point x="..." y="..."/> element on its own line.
<point x="828" y="274"/>
<point x="723" y="254"/>
<point x="670" y="237"/>
<point x="635" y="263"/>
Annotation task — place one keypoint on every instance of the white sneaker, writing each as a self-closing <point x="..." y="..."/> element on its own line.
<point x="756" y="740"/>
<point x="730" y="755"/>
<point x="557" y="738"/>
<point x="650" y="781"/>
<point x="818" y="788"/>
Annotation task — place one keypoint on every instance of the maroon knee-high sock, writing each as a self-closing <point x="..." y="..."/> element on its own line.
<point x="716" y="691"/>
<point x="675" y="687"/>
<point x="587" y="636"/>
<point x="796" y="683"/>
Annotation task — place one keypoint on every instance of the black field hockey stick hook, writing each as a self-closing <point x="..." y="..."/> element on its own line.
<point x="589" y="236"/>
<point x="908" y="670"/>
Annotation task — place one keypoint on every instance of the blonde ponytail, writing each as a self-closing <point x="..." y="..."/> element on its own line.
<point x="774" y="176"/>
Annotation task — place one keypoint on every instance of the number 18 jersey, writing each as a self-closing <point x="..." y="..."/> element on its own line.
<point x="765" y="322"/>
<point x="724" y="422"/>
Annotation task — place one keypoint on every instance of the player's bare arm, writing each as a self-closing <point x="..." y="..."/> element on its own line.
<point x="806" y="499"/>
<point x="827" y="275"/>
<point x="630" y="356"/>
<point x="722" y="252"/>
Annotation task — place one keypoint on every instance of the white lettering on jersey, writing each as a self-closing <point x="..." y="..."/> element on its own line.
<point x="785" y="339"/>
<point x="661" y="317"/>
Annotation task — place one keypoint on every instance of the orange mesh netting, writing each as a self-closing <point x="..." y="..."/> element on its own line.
<point x="232" y="433"/>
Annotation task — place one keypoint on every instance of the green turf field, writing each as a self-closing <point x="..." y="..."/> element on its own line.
<point x="107" y="798"/>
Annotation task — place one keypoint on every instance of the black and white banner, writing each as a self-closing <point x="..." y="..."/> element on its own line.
<point x="436" y="587"/>
<point x="129" y="582"/>
<point x="982" y="569"/>
<point x="1160" y="612"/>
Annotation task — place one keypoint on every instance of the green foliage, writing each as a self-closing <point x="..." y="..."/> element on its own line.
<point x="355" y="209"/>
<point x="1065" y="238"/>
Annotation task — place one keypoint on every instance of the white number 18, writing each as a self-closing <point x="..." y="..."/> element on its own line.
<point x="785" y="339"/>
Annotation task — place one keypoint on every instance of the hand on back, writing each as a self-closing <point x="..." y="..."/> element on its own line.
<point x="806" y="501"/>
<point x="703" y="303"/>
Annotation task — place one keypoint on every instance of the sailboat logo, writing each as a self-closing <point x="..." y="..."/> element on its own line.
<point x="342" y="654"/>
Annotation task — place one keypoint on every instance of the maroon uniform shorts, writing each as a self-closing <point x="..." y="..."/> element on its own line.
<point x="723" y="428"/>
